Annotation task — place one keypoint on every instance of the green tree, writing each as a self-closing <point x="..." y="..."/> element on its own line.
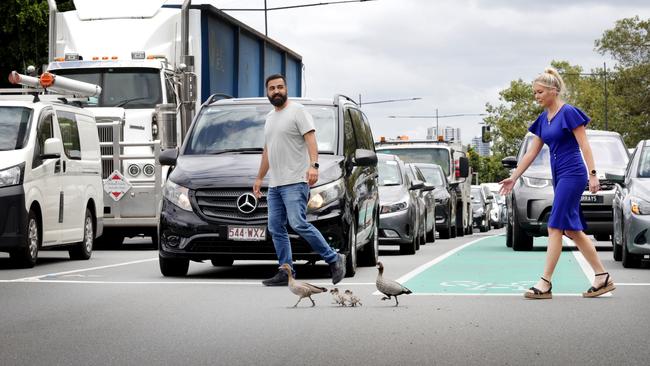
<point x="24" y="34"/>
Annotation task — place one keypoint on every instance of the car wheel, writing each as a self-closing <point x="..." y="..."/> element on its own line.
<point x="173" y="267"/>
<point x="521" y="241"/>
<point x="410" y="247"/>
<point x="222" y="261"/>
<point x="508" y="234"/>
<point x="617" y="249"/>
<point x="26" y="256"/>
<point x="370" y="253"/>
<point x="83" y="250"/>
<point x="351" y="256"/>
<point x="445" y="233"/>
<point x="629" y="260"/>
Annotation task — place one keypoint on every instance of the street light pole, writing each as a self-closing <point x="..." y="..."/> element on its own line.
<point x="388" y="100"/>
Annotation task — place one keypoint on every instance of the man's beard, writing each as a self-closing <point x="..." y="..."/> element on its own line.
<point x="277" y="99"/>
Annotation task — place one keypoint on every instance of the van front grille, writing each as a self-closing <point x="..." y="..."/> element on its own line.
<point x="221" y="204"/>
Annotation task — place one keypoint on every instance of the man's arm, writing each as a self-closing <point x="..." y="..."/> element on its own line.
<point x="264" y="168"/>
<point x="312" y="148"/>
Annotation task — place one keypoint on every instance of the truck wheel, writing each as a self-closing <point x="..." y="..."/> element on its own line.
<point x="109" y="240"/>
<point x="173" y="267"/>
<point x="370" y="253"/>
<point x="351" y="257"/>
<point x="521" y="241"/>
<point x="222" y="261"/>
<point x="26" y="256"/>
<point x="84" y="249"/>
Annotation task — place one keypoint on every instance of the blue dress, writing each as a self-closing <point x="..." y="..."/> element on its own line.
<point x="567" y="166"/>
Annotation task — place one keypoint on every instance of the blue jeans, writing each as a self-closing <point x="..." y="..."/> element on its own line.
<point x="289" y="203"/>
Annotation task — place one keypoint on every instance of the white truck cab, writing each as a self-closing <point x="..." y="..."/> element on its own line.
<point x="50" y="176"/>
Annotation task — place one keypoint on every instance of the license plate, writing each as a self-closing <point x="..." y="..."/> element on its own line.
<point x="248" y="233"/>
<point x="587" y="198"/>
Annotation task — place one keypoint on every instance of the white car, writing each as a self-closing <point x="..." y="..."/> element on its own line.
<point x="50" y="178"/>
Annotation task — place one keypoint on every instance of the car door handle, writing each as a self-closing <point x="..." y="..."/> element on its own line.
<point x="57" y="166"/>
<point x="64" y="166"/>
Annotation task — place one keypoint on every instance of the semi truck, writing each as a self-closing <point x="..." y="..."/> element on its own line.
<point x="156" y="63"/>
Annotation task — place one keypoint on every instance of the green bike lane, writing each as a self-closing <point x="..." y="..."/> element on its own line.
<point x="487" y="267"/>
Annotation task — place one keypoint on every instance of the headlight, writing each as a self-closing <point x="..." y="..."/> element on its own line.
<point x="394" y="207"/>
<point x="325" y="194"/>
<point x="441" y="196"/>
<point x="479" y="211"/>
<point x="536" y="182"/>
<point x="178" y="195"/>
<point x="12" y="176"/>
<point x="639" y="206"/>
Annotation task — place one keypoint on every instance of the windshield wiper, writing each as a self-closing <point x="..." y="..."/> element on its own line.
<point x="125" y="102"/>
<point x="242" y="149"/>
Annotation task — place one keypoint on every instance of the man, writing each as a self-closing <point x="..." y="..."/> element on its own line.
<point x="291" y="157"/>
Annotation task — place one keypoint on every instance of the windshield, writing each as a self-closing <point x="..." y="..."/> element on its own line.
<point x="433" y="176"/>
<point x="644" y="163"/>
<point x="220" y="128"/>
<point x="389" y="174"/>
<point x="608" y="151"/>
<point x="129" y="88"/>
<point x="426" y="155"/>
<point x="14" y="127"/>
<point x="476" y="195"/>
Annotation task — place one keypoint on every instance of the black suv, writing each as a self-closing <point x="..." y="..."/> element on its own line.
<point x="209" y="210"/>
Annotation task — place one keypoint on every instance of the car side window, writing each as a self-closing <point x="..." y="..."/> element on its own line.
<point x="69" y="134"/>
<point x="350" y="143"/>
<point x="368" y="135"/>
<point x="628" y="170"/>
<point x="44" y="131"/>
<point x="360" y="131"/>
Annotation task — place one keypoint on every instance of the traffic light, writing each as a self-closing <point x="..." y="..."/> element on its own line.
<point x="486" y="135"/>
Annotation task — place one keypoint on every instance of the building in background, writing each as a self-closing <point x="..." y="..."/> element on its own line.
<point x="450" y="134"/>
<point x="482" y="148"/>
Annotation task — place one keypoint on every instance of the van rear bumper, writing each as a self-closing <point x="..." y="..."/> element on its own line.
<point x="13" y="217"/>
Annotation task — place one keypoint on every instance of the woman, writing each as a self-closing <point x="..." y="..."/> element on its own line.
<point x="562" y="127"/>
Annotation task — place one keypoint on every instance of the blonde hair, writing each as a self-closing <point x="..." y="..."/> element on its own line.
<point x="551" y="78"/>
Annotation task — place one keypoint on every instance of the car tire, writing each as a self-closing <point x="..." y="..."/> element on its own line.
<point x="27" y="256"/>
<point x="173" y="267"/>
<point x="84" y="249"/>
<point x="351" y="255"/>
<point x="521" y="241"/>
<point x="222" y="261"/>
<point x="629" y="260"/>
<point x="509" y="235"/>
<point x="617" y="249"/>
<point x="410" y="247"/>
<point x="369" y="255"/>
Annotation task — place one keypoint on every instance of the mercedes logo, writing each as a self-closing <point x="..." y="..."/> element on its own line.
<point x="247" y="203"/>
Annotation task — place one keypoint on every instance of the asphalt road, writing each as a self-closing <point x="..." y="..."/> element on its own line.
<point x="117" y="309"/>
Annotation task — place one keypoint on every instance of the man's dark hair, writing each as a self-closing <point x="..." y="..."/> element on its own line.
<point x="275" y="76"/>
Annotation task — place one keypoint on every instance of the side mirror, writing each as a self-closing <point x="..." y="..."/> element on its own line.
<point x="417" y="184"/>
<point x="619" y="179"/>
<point x="52" y="149"/>
<point x="463" y="167"/>
<point x="509" y="162"/>
<point x="363" y="157"/>
<point x="168" y="157"/>
<point x="428" y="187"/>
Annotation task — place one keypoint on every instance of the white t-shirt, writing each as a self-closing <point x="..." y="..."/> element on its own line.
<point x="284" y="133"/>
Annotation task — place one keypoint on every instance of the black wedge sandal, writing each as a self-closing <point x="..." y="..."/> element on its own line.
<point x="537" y="294"/>
<point x="608" y="286"/>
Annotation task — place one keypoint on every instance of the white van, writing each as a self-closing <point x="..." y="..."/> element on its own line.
<point x="50" y="178"/>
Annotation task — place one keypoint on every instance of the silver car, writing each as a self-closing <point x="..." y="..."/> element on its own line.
<point x="529" y="204"/>
<point x="631" y="209"/>
<point x="400" y="220"/>
<point x="427" y="203"/>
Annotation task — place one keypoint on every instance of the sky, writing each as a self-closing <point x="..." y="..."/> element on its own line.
<point x="454" y="54"/>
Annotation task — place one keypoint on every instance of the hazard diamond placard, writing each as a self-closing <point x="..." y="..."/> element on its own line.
<point x="116" y="185"/>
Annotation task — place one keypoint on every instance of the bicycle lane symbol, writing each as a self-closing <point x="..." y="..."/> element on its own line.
<point x="466" y="286"/>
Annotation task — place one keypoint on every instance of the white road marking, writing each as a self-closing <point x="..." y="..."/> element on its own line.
<point x="81" y="270"/>
<point x="188" y="282"/>
<point x="586" y="268"/>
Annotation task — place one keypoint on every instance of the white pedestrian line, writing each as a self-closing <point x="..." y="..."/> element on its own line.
<point x="81" y="270"/>
<point x="188" y="282"/>
<point x="631" y="284"/>
<point x="479" y="294"/>
<point x="586" y="268"/>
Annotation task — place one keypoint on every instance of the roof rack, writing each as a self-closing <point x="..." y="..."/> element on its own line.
<point x="337" y="96"/>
